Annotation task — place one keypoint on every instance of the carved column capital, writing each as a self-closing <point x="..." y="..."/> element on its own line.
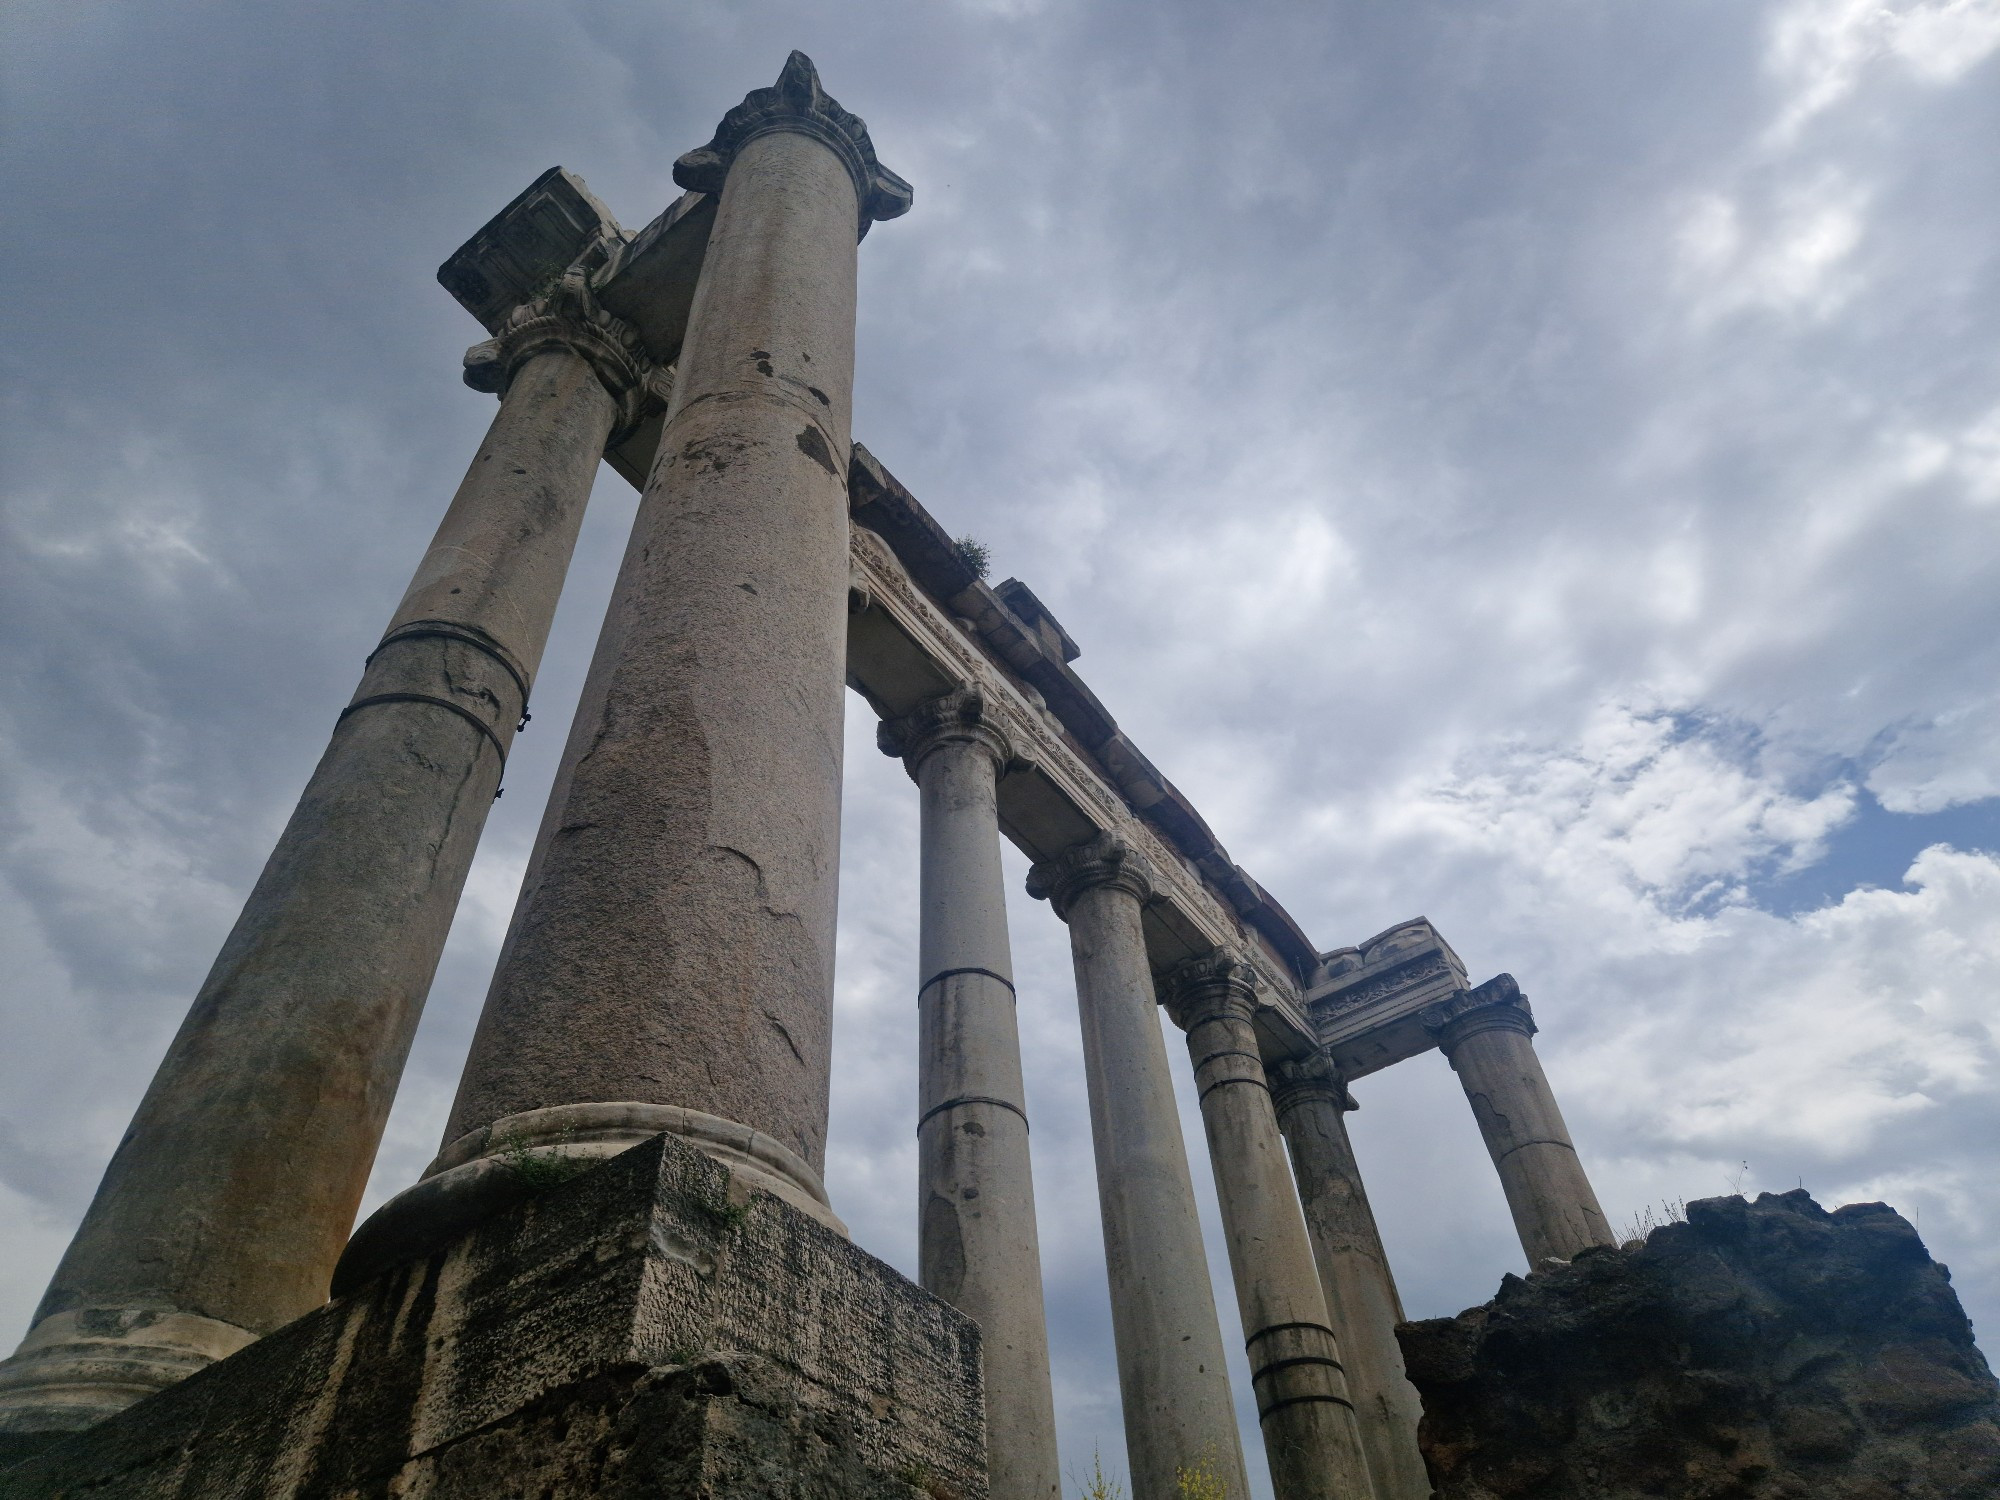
<point x="1497" y="1005"/>
<point x="568" y="317"/>
<point x="959" y="717"/>
<point x="1218" y="984"/>
<point x="1103" y="859"/>
<point x="798" y="103"/>
<point x="1301" y="1081"/>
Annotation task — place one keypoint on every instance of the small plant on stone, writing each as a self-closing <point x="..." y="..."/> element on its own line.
<point x="726" y="1214"/>
<point x="539" y="1171"/>
<point x="1097" y="1485"/>
<point x="1672" y="1211"/>
<point x="1199" y="1480"/>
<point x="976" y="555"/>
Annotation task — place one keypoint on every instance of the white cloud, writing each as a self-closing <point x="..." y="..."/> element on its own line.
<point x="1786" y="256"/>
<point x="1820" y="50"/>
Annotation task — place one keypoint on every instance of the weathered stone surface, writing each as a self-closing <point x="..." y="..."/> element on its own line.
<point x="1171" y="1379"/>
<point x="1760" y="1350"/>
<point x="673" y="943"/>
<point x="643" y="1329"/>
<point x="221" y="1213"/>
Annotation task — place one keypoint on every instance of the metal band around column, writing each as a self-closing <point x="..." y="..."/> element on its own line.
<point x="949" y="973"/>
<point x="938" y="1109"/>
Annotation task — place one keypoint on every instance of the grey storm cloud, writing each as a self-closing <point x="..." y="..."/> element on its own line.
<point x="1535" y="464"/>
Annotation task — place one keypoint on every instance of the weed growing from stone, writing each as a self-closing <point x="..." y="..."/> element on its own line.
<point x="977" y="555"/>
<point x="1199" y="1480"/>
<point x="1097" y="1485"/>
<point x="540" y="1171"/>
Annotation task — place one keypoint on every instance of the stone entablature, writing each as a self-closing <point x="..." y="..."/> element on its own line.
<point x="1367" y="1004"/>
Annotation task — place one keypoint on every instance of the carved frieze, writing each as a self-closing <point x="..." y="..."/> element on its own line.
<point x="1367" y="1000"/>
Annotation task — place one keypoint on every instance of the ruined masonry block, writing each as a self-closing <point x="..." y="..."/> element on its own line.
<point x="644" y="1329"/>
<point x="1760" y="1351"/>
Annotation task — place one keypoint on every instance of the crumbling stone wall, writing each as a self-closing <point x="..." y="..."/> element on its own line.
<point x="1759" y="1350"/>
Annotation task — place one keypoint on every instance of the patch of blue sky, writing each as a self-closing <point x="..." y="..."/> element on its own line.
<point x="1874" y="848"/>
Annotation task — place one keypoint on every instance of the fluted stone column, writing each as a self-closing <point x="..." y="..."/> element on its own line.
<point x="227" y="1201"/>
<point x="1303" y="1406"/>
<point x="977" y="1245"/>
<point x="670" y="961"/>
<point x="1175" y="1389"/>
<point x="1354" y="1272"/>
<point x="1485" y="1034"/>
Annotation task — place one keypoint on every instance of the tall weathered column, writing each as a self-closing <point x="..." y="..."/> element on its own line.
<point x="1354" y="1272"/>
<point x="1303" y="1407"/>
<point x="1175" y="1389"/>
<point x="670" y="961"/>
<point x="1485" y="1034"/>
<point x="226" y="1203"/>
<point x="977" y="1245"/>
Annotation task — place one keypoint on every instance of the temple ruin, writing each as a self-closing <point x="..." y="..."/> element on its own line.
<point x="696" y="1317"/>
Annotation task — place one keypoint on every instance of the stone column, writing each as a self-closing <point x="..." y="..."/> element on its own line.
<point x="1484" y="1033"/>
<point x="1303" y="1407"/>
<point x="670" y="961"/>
<point x="1354" y="1272"/>
<point x="226" y="1203"/>
<point x="977" y="1245"/>
<point x="1175" y="1389"/>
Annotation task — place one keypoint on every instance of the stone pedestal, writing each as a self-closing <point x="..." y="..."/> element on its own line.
<point x="1303" y="1406"/>
<point x="1178" y="1416"/>
<point x="1485" y="1033"/>
<point x="1354" y="1272"/>
<point x="647" y="1328"/>
<point x="977" y="1244"/>
<point x="221" y="1214"/>
<point x="671" y="956"/>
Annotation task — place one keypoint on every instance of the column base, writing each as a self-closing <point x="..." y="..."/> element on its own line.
<point x="517" y="1156"/>
<point x="78" y="1367"/>
<point x="635" y="1331"/>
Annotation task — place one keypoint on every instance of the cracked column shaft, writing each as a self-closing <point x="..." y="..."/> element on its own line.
<point x="977" y="1247"/>
<point x="1179" y="1420"/>
<point x="1485" y="1034"/>
<point x="670" y="961"/>
<point x="223" y="1209"/>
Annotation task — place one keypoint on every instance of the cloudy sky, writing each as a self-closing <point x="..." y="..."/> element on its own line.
<point x="1534" y="464"/>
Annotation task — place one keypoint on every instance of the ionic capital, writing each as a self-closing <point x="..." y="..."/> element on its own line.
<point x="959" y="717"/>
<point x="1497" y="1005"/>
<point x="798" y="103"/>
<point x="1299" y="1082"/>
<point x="1103" y="859"/>
<point x="1216" y="985"/>
<point x="568" y="317"/>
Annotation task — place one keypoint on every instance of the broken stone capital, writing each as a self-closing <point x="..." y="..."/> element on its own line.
<point x="1103" y="859"/>
<point x="1299" y="1082"/>
<point x="1215" y="986"/>
<point x="797" y="103"/>
<point x="959" y="717"/>
<point x="1497" y="1005"/>
<point x="568" y="318"/>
